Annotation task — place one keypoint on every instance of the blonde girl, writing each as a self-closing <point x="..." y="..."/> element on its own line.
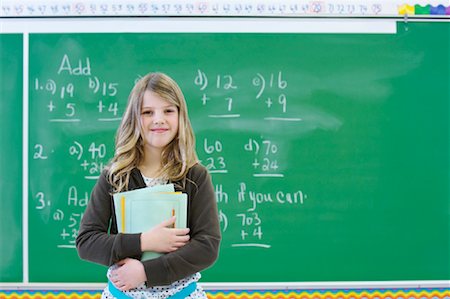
<point x="155" y="145"/>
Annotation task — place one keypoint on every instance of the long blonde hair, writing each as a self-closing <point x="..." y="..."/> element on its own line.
<point x="177" y="157"/>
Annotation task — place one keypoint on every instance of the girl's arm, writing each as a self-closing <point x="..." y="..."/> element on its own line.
<point x="93" y="241"/>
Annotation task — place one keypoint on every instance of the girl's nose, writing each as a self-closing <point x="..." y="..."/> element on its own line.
<point x="158" y="118"/>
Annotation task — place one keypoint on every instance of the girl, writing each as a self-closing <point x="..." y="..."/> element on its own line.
<point x="154" y="145"/>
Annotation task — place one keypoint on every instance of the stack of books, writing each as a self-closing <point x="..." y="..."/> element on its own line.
<point x="139" y="210"/>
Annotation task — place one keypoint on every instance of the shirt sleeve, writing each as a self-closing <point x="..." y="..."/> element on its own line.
<point x="98" y="240"/>
<point x="203" y="248"/>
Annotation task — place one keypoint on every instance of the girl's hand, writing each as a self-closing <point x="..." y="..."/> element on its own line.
<point x="129" y="275"/>
<point x="164" y="238"/>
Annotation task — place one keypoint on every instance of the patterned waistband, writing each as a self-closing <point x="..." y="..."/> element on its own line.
<point x="183" y="293"/>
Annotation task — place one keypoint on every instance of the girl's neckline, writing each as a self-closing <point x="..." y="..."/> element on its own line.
<point x="152" y="181"/>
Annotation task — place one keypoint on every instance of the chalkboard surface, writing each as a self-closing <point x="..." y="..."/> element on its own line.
<point x="329" y="153"/>
<point x="11" y="157"/>
<point x="11" y="76"/>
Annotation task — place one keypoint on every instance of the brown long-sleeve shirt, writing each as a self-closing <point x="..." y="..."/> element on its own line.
<point x="99" y="241"/>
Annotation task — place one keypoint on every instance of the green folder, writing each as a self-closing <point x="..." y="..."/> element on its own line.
<point x="141" y="209"/>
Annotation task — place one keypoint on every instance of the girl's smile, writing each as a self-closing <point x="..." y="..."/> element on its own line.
<point x="159" y="130"/>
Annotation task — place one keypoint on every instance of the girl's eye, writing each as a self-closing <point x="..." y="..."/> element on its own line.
<point x="147" y="112"/>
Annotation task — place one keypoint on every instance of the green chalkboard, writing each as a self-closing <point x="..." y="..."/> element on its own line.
<point x="11" y="76"/>
<point x="329" y="152"/>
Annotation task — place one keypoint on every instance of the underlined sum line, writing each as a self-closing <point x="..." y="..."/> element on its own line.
<point x="64" y="120"/>
<point x="110" y="119"/>
<point x="251" y="245"/>
<point x="218" y="171"/>
<point x="269" y="175"/>
<point x="92" y="177"/>
<point x="66" y="246"/>
<point x="224" y="115"/>
<point x="283" y="118"/>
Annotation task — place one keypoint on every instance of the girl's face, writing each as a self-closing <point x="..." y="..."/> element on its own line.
<point x="159" y="120"/>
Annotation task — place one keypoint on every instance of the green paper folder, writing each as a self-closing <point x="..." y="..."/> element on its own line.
<point x="141" y="209"/>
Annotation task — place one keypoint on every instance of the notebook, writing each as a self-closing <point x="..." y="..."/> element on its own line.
<point x="141" y="209"/>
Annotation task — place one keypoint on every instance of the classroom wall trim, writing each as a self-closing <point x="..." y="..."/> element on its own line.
<point x="257" y="294"/>
<point x="263" y="8"/>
